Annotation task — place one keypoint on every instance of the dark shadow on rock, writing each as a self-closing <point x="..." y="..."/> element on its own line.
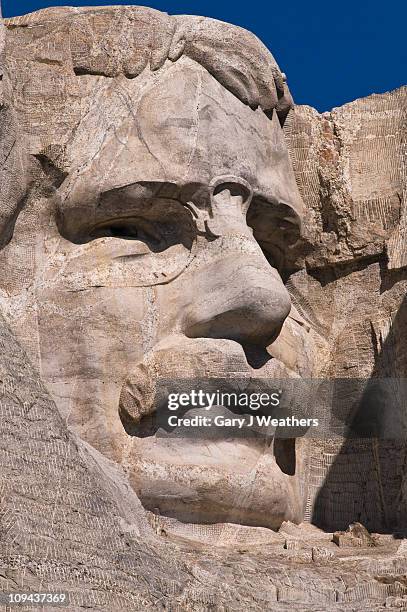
<point x="366" y="481"/>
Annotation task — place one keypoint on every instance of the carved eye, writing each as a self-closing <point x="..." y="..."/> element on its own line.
<point x="127" y="229"/>
<point x="277" y="229"/>
<point x="127" y="232"/>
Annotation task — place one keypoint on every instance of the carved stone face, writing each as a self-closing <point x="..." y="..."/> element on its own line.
<point x="158" y="253"/>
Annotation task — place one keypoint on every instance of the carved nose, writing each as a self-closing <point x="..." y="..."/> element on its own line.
<point x="242" y="297"/>
<point x="244" y="300"/>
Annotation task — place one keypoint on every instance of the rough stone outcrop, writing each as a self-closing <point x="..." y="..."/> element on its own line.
<point x="351" y="172"/>
<point x="350" y="166"/>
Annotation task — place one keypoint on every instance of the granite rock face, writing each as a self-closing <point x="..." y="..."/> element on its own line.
<point x="166" y="213"/>
<point x="351" y="171"/>
<point x="164" y="205"/>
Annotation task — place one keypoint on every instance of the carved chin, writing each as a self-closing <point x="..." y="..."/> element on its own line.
<point x="247" y="481"/>
<point x="213" y="482"/>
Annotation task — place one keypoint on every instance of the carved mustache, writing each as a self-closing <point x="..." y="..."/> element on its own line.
<point x="178" y="358"/>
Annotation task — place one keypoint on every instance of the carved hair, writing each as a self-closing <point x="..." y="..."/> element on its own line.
<point x="148" y="38"/>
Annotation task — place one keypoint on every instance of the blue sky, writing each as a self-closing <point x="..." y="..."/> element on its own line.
<point x="332" y="52"/>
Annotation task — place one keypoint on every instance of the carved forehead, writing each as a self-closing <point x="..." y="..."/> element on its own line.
<point x="82" y="77"/>
<point x="110" y="41"/>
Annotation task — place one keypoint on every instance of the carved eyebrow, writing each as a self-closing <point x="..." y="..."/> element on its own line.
<point x="158" y="189"/>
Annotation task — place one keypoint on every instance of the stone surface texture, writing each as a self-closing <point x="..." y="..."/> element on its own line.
<point x="167" y="212"/>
